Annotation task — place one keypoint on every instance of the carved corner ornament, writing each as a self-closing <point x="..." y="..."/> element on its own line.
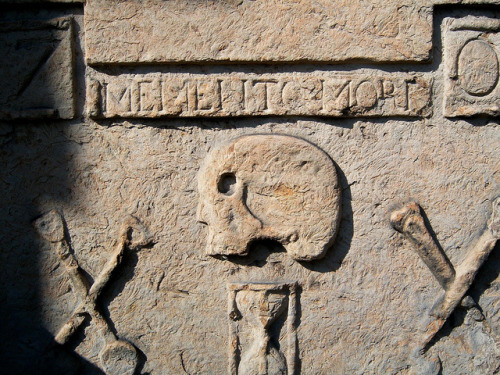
<point x="471" y="66"/>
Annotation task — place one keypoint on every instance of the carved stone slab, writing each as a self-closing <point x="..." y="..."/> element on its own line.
<point x="471" y="55"/>
<point x="150" y="31"/>
<point x="37" y="56"/>
<point x="269" y="187"/>
<point x="264" y="145"/>
<point x="367" y="93"/>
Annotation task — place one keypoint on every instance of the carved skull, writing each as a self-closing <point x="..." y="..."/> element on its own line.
<point x="274" y="187"/>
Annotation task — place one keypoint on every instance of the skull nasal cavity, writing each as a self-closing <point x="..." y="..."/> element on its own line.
<point x="227" y="183"/>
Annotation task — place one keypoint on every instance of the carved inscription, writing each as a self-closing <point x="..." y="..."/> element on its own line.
<point x="217" y="95"/>
<point x="409" y="221"/>
<point x="118" y="357"/>
<point x="269" y="187"/>
<point x="471" y="54"/>
<point x="262" y="328"/>
<point x="37" y="58"/>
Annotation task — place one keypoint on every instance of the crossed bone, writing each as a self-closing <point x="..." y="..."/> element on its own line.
<point x="118" y="356"/>
<point x="409" y="221"/>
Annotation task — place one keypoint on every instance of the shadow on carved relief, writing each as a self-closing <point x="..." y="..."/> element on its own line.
<point x="274" y="188"/>
<point x="42" y="66"/>
<point x="259" y="250"/>
<point x="62" y="360"/>
<point x="26" y="347"/>
<point x="117" y="356"/>
<point x="471" y="305"/>
<point x="453" y="303"/>
<point x="117" y="284"/>
<point x="336" y="254"/>
<point x="257" y="254"/>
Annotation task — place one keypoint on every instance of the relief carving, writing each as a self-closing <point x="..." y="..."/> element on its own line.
<point x="118" y="357"/>
<point x="146" y="87"/>
<point x="471" y="56"/>
<point x="269" y="187"/>
<point x="263" y="328"/>
<point x="38" y="59"/>
<point x="409" y="221"/>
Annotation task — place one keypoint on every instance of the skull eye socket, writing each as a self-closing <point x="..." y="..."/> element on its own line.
<point x="227" y="184"/>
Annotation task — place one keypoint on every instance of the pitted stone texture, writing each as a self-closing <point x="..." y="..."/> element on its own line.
<point x="131" y="31"/>
<point x="471" y="56"/>
<point x="361" y="306"/>
<point x="269" y="187"/>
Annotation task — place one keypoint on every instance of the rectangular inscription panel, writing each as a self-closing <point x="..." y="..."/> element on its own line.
<point x="131" y="31"/>
<point x="220" y="95"/>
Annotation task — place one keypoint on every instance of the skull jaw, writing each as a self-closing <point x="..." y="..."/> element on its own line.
<point x="223" y="249"/>
<point x="304" y="251"/>
<point x="227" y="244"/>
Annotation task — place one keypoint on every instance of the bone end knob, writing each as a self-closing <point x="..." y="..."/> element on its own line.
<point x="50" y="226"/>
<point x="400" y="216"/>
<point x="137" y="234"/>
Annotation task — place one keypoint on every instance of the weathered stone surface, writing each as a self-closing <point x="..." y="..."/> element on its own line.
<point x="471" y="54"/>
<point x="37" y="58"/>
<point x="130" y="31"/>
<point x="272" y="187"/>
<point x="365" y="299"/>
<point x="104" y="263"/>
<point x="368" y="93"/>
